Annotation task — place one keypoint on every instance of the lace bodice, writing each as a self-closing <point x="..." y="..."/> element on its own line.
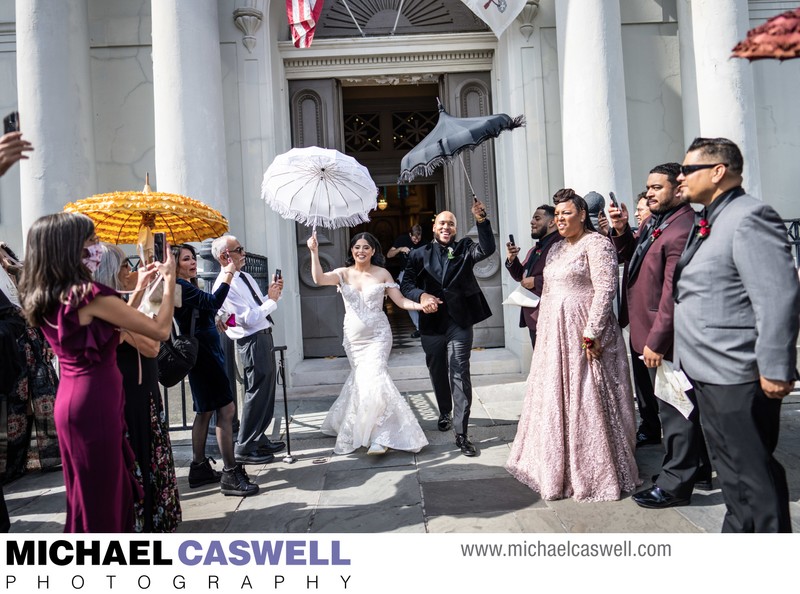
<point x="585" y="270"/>
<point x="366" y="303"/>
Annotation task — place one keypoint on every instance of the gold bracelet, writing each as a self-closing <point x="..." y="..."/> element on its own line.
<point x="480" y="220"/>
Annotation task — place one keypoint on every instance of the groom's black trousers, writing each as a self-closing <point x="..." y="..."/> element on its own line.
<point x="447" y="358"/>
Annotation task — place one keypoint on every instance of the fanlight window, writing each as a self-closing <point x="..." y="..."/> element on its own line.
<point x="362" y="18"/>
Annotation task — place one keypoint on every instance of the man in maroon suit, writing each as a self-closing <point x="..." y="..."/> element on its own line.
<point x="648" y="306"/>
<point x="530" y="273"/>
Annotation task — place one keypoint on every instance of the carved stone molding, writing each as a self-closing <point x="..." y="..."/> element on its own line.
<point x="527" y="17"/>
<point x="306" y="278"/>
<point x="487" y="268"/>
<point x="248" y="20"/>
<point x="390" y="67"/>
<point x="309" y="102"/>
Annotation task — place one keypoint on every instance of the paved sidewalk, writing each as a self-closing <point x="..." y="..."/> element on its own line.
<point x="436" y="490"/>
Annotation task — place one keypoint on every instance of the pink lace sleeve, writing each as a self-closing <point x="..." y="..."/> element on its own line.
<point x="604" y="272"/>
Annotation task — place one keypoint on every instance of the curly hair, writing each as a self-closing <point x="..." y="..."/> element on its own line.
<point x="563" y="195"/>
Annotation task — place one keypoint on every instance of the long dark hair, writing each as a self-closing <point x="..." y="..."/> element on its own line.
<point x="176" y="251"/>
<point x="569" y="195"/>
<point x="377" y="258"/>
<point x="54" y="272"/>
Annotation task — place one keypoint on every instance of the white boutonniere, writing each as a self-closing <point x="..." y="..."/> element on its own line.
<point x="450" y="254"/>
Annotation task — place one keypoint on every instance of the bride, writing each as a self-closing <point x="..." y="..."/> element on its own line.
<point x="370" y="412"/>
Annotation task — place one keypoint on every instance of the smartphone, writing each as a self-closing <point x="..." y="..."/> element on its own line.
<point x="159" y="243"/>
<point x="11" y="122"/>
<point x="613" y="199"/>
<point x="277" y="274"/>
<point x="511" y="239"/>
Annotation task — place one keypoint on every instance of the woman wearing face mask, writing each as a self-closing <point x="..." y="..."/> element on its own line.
<point x="159" y="510"/>
<point x="81" y="321"/>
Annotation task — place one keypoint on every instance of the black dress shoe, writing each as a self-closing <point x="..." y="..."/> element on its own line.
<point x="463" y="442"/>
<point x="656" y="498"/>
<point x="644" y="439"/>
<point x="445" y="422"/>
<point x="271" y="447"/>
<point x="255" y="457"/>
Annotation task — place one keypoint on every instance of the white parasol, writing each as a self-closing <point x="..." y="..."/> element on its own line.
<point x="319" y="188"/>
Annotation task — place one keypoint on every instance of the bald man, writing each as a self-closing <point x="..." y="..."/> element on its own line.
<point x="440" y="276"/>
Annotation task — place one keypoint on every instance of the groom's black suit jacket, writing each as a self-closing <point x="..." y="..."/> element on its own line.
<point x="454" y="283"/>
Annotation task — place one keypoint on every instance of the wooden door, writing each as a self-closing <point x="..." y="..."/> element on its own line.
<point x="316" y="116"/>
<point x="468" y="95"/>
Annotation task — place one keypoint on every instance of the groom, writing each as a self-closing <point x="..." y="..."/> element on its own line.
<point x="442" y="270"/>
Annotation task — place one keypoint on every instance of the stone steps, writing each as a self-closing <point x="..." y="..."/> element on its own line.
<point x="405" y="364"/>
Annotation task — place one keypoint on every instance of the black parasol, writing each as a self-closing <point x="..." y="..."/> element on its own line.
<point x="450" y="137"/>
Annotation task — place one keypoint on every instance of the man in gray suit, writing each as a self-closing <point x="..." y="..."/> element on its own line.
<point x="737" y="312"/>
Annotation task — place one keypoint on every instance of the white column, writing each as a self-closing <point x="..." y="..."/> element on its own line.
<point x="55" y="104"/>
<point x="725" y="95"/>
<point x="691" y="115"/>
<point x="187" y="88"/>
<point x="594" y="117"/>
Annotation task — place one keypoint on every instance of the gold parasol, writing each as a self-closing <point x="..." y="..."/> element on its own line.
<point x="131" y="217"/>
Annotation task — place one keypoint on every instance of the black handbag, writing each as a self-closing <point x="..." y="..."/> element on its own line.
<point x="177" y="356"/>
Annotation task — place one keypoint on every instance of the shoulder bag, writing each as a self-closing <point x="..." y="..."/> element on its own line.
<point x="177" y="356"/>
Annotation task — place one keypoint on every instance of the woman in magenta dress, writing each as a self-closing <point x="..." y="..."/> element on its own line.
<point x="81" y="321"/>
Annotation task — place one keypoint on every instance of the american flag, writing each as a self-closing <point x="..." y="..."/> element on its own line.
<point x="303" y="16"/>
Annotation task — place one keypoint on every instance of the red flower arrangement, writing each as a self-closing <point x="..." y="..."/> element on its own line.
<point x="704" y="229"/>
<point x="587" y="343"/>
<point x="655" y="234"/>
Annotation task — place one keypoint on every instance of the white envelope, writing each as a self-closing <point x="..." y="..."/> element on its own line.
<point x="522" y="297"/>
<point x="671" y="387"/>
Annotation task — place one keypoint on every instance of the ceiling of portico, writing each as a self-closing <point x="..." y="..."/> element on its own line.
<point x="398" y="17"/>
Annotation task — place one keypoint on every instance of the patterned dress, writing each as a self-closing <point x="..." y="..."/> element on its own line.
<point x="159" y="510"/>
<point x="576" y="433"/>
<point x="370" y="409"/>
<point x="30" y="435"/>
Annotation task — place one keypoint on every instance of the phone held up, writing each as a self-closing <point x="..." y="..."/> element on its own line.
<point x="278" y="274"/>
<point x="159" y="245"/>
<point x="11" y="122"/>
<point x="613" y="199"/>
<point x="511" y="239"/>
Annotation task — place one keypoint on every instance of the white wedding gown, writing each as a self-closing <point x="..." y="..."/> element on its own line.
<point x="369" y="408"/>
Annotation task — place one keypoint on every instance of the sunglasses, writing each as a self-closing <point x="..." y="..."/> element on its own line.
<point x="687" y="170"/>
<point x="239" y="250"/>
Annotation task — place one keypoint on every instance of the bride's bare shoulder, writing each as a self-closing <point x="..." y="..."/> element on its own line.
<point x="382" y="275"/>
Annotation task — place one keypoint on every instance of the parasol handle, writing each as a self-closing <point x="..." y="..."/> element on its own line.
<point x="471" y="189"/>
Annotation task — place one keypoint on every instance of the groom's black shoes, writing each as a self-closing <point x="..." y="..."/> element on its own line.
<point x="463" y="442"/>
<point x="656" y="498"/>
<point x="445" y="422"/>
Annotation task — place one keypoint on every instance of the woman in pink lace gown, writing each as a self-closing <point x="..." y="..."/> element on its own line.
<point x="576" y="434"/>
<point x="81" y="320"/>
